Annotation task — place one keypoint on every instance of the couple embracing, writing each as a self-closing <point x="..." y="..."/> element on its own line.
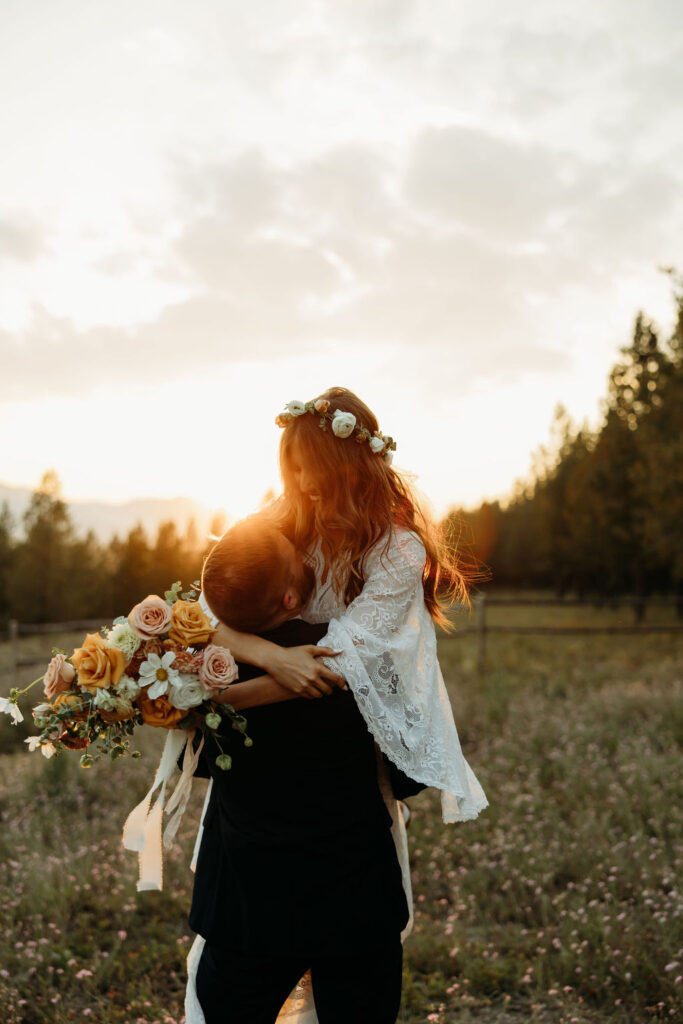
<point x="327" y="600"/>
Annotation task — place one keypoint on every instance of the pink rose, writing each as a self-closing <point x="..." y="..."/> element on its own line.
<point x="58" y="677"/>
<point x="322" y="405"/>
<point x="150" y="618"/>
<point x="218" y="668"/>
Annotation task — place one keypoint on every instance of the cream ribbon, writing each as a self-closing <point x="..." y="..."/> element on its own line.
<point x="142" y="830"/>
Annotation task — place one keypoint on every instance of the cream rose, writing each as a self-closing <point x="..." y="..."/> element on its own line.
<point x="218" y="669"/>
<point x="58" y="677"/>
<point x="388" y="458"/>
<point x="187" y="691"/>
<point x="376" y="445"/>
<point x="343" y="423"/>
<point x="150" y="618"/>
<point x="296" y="408"/>
<point x="322" y="405"/>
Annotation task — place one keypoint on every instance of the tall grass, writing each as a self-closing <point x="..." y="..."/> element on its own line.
<point x="560" y="903"/>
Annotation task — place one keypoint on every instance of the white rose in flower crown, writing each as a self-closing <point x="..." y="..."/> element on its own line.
<point x="343" y="423"/>
<point x="388" y="458"/>
<point x="126" y="639"/>
<point x="187" y="691"/>
<point x="376" y="445"/>
<point x="296" y="408"/>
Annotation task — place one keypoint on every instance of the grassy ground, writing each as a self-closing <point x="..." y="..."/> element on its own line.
<point x="559" y="904"/>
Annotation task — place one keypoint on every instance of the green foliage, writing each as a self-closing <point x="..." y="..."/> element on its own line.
<point x="50" y="574"/>
<point x="602" y="515"/>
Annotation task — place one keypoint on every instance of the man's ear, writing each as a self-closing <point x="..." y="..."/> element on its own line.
<point x="290" y="600"/>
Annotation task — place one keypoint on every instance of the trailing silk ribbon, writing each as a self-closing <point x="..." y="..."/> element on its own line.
<point x="142" y="831"/>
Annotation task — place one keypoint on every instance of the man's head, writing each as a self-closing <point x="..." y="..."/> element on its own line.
<point x="253" y="578"/>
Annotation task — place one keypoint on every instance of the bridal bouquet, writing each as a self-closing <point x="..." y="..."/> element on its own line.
<point x="157" y="667"/>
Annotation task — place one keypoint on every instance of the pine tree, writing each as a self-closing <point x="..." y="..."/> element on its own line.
<point x="40" y="585"/>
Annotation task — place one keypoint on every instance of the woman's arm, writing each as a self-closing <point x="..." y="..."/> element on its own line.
<point x="254" y="693"/>
<point x="297" y="669"/>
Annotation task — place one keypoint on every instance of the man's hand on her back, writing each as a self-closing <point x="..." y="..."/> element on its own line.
<point x="302" y="671"/>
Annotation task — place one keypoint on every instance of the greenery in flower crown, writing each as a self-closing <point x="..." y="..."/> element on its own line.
<point x="344" y="424"/>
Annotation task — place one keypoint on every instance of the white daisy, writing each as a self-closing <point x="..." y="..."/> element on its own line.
<point x="46" y="749"/>
<point x="158" y="672"/>
<point x="9" y="708"/>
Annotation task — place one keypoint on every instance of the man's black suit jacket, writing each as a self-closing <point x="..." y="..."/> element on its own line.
<point x="297" y="853"/>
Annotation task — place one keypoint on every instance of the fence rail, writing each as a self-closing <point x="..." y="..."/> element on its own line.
<point x="481" y="629"/>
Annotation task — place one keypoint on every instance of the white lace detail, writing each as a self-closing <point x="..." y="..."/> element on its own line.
<point x="388" y="658"/>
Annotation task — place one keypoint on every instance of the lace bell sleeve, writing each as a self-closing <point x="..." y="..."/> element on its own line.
<point x="388" y="657"/>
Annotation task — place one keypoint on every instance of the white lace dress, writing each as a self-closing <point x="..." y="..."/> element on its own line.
<point x="388" y="656"/>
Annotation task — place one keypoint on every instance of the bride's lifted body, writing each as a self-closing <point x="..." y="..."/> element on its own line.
<point x="353" y="551"/>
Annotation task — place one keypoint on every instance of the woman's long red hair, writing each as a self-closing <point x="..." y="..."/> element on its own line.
<point x="362" y="497"/>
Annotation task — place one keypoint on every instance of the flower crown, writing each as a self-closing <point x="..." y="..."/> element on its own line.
<point x="344" y="424"/>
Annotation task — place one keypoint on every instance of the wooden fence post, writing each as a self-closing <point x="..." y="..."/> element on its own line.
<point x="481" y="634"/>
<point x="13" y="649"/>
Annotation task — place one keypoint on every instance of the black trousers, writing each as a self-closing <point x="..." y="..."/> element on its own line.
<point x="247" y="988"/>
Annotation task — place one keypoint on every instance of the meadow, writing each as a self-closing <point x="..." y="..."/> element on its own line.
<point x="561" y="903"/>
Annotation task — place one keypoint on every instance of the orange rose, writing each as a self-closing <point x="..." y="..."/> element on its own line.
<point x="159" y="712"/>
<point x="77" y="706"/>
<point x="70" y="737"/>
<point x="125" y="710"/>
<point x="189" y="624"/>
<point x="97" y="664"/>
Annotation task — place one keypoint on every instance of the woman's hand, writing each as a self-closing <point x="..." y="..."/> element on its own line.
<point x="301" y="670"/>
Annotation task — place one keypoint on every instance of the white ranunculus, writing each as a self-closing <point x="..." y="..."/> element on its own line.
<point x="104" y="700"/>
<point x="187" y="691"/>
<point x="296" y="408"/>
<point x="122" y="637"/>
<point x="127" y="688"/>
<point x="376" y="445"/>
<point x="343" y="423"/>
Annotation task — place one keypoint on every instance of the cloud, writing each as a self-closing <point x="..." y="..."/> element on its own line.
<point x="22" y="238"/>
<point x="503" y="190"/>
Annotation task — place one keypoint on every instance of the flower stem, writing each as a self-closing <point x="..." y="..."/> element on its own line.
<point x="14" y="693"/>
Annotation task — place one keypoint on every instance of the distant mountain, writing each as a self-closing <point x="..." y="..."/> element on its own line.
<point x="106" y="519"/>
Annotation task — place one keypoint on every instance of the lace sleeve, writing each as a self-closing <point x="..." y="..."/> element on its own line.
<point x="388" y="657"/>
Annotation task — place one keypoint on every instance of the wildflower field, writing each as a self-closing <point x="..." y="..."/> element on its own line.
<point x="561" y="903"/>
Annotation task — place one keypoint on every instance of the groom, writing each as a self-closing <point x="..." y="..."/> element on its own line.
<point x="297" y="867"/>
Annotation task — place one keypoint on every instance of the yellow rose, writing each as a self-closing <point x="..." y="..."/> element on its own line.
<point x="189" y="624"/>
<point x="159" y="712"/>
<point x="98" y="664"/>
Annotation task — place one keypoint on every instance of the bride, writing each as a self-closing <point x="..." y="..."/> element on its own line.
<point x="383" y="578"/>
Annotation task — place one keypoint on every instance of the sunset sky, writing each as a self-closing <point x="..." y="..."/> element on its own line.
<point x="210" y="208"/>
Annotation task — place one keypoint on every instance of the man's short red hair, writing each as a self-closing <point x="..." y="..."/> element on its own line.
<point x="245" y="575"/>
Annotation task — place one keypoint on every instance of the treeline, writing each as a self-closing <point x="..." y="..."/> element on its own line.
<point x="602" y="515"/>
<point x="50" y="574"/>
